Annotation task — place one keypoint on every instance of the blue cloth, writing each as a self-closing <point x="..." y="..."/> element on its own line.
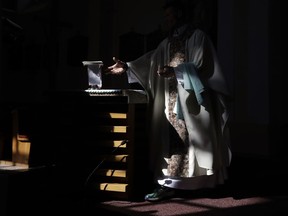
<point x="191" y="82"/>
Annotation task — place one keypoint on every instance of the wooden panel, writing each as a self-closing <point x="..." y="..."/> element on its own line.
<point x="116" y="187"/>
<point x="112" y="173"/>
<point x="20" y="143"/>
<point x="93" y="140"/>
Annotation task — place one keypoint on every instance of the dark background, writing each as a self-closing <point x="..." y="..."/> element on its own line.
<point x="43" y="43"/>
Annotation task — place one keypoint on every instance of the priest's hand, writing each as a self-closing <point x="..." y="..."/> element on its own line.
<point x="166" y="71"/>
<point x="118" y="68"/>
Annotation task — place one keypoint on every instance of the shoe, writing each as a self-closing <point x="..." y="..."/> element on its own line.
<point x="160" y="194"/>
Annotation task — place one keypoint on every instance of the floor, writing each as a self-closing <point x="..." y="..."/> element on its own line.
<point x="45" y="192"/>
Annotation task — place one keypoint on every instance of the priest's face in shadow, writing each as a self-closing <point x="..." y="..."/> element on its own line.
<point x="173" y="17"/>
<point x="170" y="15"/>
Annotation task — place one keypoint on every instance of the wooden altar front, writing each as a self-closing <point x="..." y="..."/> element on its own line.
<point x="99" y="140"/>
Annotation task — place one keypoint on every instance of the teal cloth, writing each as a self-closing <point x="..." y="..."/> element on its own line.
<point x="191" y="82"/>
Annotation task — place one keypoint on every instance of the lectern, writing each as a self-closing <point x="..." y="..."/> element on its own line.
<point x="99" y="140"/>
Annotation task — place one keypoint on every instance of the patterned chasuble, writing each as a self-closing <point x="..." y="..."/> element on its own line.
<point x="178" y="161"/>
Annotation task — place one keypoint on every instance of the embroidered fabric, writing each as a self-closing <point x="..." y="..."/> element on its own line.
<point x="178" y="162"/>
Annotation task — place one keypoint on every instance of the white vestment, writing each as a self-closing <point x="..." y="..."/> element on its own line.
<point x="208" y="153"/>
